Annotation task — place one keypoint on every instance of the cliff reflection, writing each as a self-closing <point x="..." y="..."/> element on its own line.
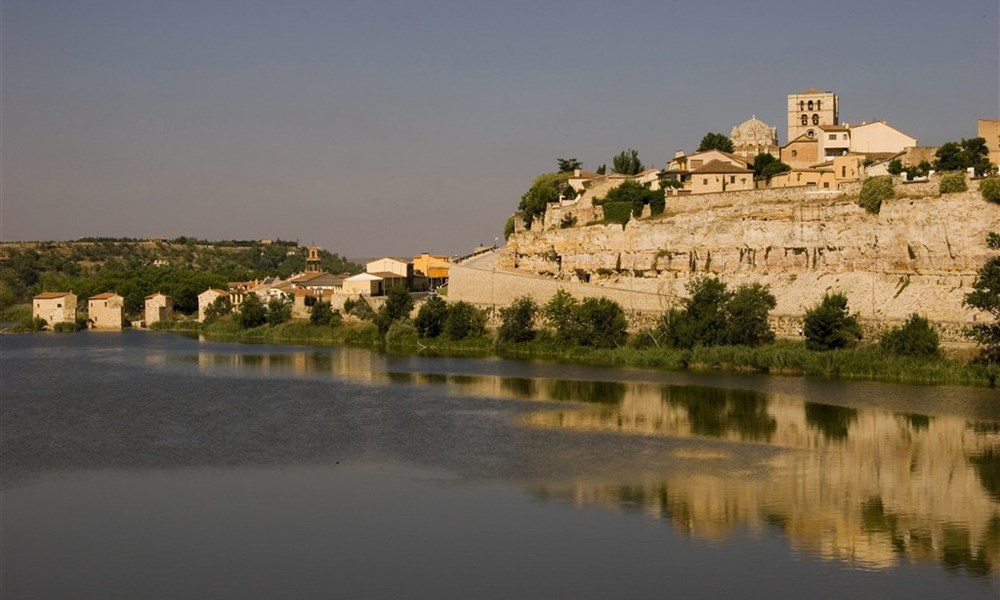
<point x="869" y="487"/>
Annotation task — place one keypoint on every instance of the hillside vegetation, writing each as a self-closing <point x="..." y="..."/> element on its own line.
<point x="182" y="267"/>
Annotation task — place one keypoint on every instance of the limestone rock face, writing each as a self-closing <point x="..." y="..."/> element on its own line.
<point x="917" y="255"/>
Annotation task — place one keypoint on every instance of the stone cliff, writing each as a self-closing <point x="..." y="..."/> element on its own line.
<point x="919" y="254"/>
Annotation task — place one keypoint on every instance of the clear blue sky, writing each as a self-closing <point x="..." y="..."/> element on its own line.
<point x="398" y="127"/>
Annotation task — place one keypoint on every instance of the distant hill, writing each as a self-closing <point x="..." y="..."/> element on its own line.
<point x="134" y="268"/>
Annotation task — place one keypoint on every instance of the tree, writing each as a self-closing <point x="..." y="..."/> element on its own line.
<point x="568" y="165"/>
<point x="321" y="313"/>
<point x="627" y="162"/>
<point x="916" y="337"/>
<point x="716" y="141"/>
<point x="601" y="170"/>
<point x="603" y="323"/>
<point x="218" y="308"/>
<point x="398" y="304"/>
<point x="990" y="189"/>
<point x="252" y="312"/>
<point x="746" y="315"/>
<point x="431" y="317"/>
<point x="967" y="153"/>
<point x="561" y="315"/>
<point x="874" y="190"/>
<point x="828" y="325"/>
<point x="279" y="310"/>
<point x="517" y="321"/>
<point x="766" y="166"/>
<point x="702" y="320"/>
<point x="895" y="167"/>
<point x="464" y="320"/>
<point x="985" y="296"/>
<point x="635" y="195"/>
<point x="545" y="189"/>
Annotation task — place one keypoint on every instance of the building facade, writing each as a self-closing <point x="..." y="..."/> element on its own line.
<point x="754" y="137"/>
<point x="106" y="311"/>
<point x="809" y="109"/>
<point x="159" y="307"/>
<point x="54" y="307"/>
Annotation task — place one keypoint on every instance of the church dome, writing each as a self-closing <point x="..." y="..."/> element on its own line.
<point x="753" y="129"/>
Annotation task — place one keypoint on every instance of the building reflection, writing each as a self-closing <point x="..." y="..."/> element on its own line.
<point x="869" y="487"/>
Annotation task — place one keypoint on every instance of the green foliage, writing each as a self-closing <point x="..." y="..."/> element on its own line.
<point x="359" y="309"/>
<point x="603" y="323"/>
<point x="517" y="321"/>
<point x="952" y="183"/>
<point x="828" y="325"/>
<point x="252" y="312"/>
<point x="990" y="189"/>
<point x="617" y="212"/>
<point x="66" y="327"/>
<point x="568" y="165"/>
<point x="567" y="221"/>
<point x="431" y="317"/>
<point x="874" y="191"/>
<point x="398" y="304"/>
<point x="627" y="162"/>
<point x="895" y="166"/>
<point x="279" y="310"/>
<point x="321" y="313"/>
<point x="463" y="321"/>
<point x="545" y="189"/>
<point x="400" y="333"/>
<point x="634" y="194"/>
<point x="218" y="308"/>
<point x="716" y="141"/>
<point x="712" y="315"/>
<point x="560" y="314"/>
<point x="916" y="337"/>
<point x="959" y="156"/>
<point x="766" y="166"/>
<point x="34" y="324"/>
<point x="601" y="170"/>
<point x="508" y="228"/>
<point x="985" y="296"/>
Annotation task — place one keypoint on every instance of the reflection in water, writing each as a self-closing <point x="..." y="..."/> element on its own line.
<point x="869" y="487"/>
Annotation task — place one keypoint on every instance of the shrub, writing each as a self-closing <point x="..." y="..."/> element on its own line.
<point x="617" y="212"/>
<point x="400" y="332"/>
<point x="874" y="191"/>
<point x="603" y="323"/>
<point x="464" y="320"/>
<point x="279" y="310"/>
<point x="398" y="305"/>
<point x="561" y="315"/>
<point x="952" y="183"/>
<point x="828" y="325"/>
<point x="517" y="321"/>
<point x="658" y="204"/>
<point x="66" y="327"/>
<point x="990" y="189"/>
<point x="508" y="228"/>
<point x="916" y="337"/>
<point x="34" y="324"/>
<point x="985" y="296"/>
<point x="220" y="307"/>
<point x="321" y="313"/>
<point x="746" y="315"/>
<point x="359" y="308"/>
<point x="714" y="316"/>
<point x="567" y="221"/>
<point x="431" y="317"/>
<point x="252" y="312"/>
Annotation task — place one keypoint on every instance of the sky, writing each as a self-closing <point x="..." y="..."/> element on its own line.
<point x="404" y="126"/>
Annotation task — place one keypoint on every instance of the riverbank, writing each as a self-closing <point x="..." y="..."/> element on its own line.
<point x="784" y="357"/>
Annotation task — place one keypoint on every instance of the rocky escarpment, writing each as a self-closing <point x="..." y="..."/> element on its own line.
<point x="919" y="254"/>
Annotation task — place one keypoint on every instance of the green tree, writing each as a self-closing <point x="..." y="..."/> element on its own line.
<point x="603" y="169"/>
<point x="568" y="165"/>
<point x="398" y="304"/>
<point x="252" y="312"/>
<point x="627" y="162"/>
<point x="990" y="189"/>
<point x="545" y="189"/>
<point x="766" y="166"/>
<point x="431" y="317"/>
<point x="508" y="228"/>
<point x="702" y="319"/>
<point x="967" y="153"/>
<point x="916" y="337"/>
<point x="603" y="323"/>
<point x="517" y="321"/>
<point x="218" y="308"/>
<point x="279" y="310"/>
<point x="321" y="313"/>
<point x="746" y="315"/>
<point x="895" y="167"/>
<point x="562" y="316"/>
<point x="828" y="325"/>
<point x="875" y="190"/>
<point x="716" y="141"/>
<point x="635" y="195"/>
<point x="985" y="296"/>
<point x="464" y="320"/>
<point x="952" y="183"/>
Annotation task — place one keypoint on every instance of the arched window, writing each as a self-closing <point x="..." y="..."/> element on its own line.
<point x="805" y="119"/>
<point x="818" y="103"/>
<point x="802" y="104"/>
<point x="815" y="119"/>
<point x="810" y="105"/>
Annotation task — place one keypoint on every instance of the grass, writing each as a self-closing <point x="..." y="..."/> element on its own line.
<point x="783" y="357"/>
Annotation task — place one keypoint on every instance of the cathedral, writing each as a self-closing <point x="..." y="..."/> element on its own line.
<point x="754" y="137"/>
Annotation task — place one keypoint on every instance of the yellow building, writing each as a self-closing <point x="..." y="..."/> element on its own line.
<point x="206" y="298"/>
<point x="989" y="130"/>
<point x="54" y="307"/>
<point x="801" y="152"/>
<point x="106" y="311"/>
<point x="159" y="307"/>
<point x="432" y="266"/>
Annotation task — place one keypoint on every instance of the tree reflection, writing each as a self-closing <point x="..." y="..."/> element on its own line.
<point x="714" y="412"/>
<point x="987" y="465"/>
<point x="834" y="422"/>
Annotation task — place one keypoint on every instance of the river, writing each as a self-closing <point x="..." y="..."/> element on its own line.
<point x="152" y="465"/>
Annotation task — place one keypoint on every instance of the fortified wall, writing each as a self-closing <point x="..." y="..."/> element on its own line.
<point x="920" y="254"/>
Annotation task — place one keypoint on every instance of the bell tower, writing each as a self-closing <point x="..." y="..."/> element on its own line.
<point x="312" y="260"/>
<point x="809" y="109"/>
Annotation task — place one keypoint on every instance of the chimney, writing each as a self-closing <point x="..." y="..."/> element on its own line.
<point x="576" y="172"/>
<point x="678" y="153"/>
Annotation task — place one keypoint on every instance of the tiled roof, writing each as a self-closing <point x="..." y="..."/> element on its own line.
<point x="104" y="296"/>
<point x="388" y="275"/>
<point x="50" y="295"/>
<point x="718" y="166"/>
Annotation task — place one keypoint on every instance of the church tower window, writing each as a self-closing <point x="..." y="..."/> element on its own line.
<point x="805" y="119"/>
<point x="815" y="119"/>
<point x="810" y="105"/>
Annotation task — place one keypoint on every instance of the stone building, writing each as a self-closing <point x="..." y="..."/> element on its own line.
<point x="159" y="307"/>
<point x="54" y="307"/>
<point x="754" y="137"/>
<point x="106" y="311"/>
<point x="989" y="130"/>
<point x="809" y="109"/>
<point x="206" y="298"/>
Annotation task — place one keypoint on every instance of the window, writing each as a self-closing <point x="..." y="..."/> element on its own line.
<point x="795" y="153"/>
<point x="818" y="102"/>
<point x="833" y="136"/>
<point x="732" y="179"/>
<point x="843" y="171"/>
<point x="58" y="305"/>
<point x="810" y="134"/>
<point x="845" y="136"/>
<point x="826" y="184"/>
<point x="802" y="104"/>
<point x="805" y="119"/>
<point x="704" y="181"/>
<point x="810" y="105"/>
<point x="815" y="119"/>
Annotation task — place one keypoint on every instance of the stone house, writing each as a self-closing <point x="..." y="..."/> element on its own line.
<point x="54" y="307"/>
<point x="393" y="271"/>
<point x="709" y="171"/>
<point x="989" y="130"/>
<point x="206" y="298"/>
<point x="364" y="284"/>
<point x="800" y="152"/>
<point x="879" y="136"/>
<point x="106" y="311"/>
<point x="159" y="307"/>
